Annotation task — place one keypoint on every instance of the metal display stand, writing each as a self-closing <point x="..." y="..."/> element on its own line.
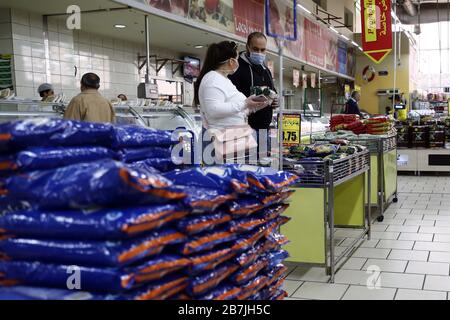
<point x="312" y="235"/>
<point x="381" y="150"/>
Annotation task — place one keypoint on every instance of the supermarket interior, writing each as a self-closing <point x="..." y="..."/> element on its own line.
<point x="256" y="150"/>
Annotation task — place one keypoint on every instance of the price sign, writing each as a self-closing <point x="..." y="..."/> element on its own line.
<point x="291" y="130"/>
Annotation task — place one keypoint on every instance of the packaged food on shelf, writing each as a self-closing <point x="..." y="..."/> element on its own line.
<point x="204" y="282"/>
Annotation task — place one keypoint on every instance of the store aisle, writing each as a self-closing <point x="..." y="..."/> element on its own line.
<point x="408" y="256"/>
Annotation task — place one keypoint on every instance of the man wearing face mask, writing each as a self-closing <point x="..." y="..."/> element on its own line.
<point x="253" y="72"/>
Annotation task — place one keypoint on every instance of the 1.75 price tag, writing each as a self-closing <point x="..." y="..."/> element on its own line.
<point x="291" y="130"/>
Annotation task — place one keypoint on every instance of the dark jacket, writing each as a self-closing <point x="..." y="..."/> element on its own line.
<point x="352" y="107"/>
<point x="250" y="75"/>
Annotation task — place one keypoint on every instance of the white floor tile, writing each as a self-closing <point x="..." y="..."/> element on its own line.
<point x="439" y="269"/>
<point x="441" y="238"/>
<point x="393" y="222"/>
<point x="291" y="286"/>
<point x="378" y="227"/>
<point x="411" y="255"/>
<point x="439" y="257"/>
<point x="432" y="246"/>
<point x="413" y="229"/>
<point x="407" y="294"/>
<point x="321" y="291"/>
<point x="409" y="217"/>
<point x="442" y="224"/>
<point x="347" y="233"/>
<point x="385" y="235"/>
<point x="425" y="211"/>
<point x="395" y="244"/>
<point x="387" y="265"/>
<point x="352" y="277"/>
<point x="437" y="283"/>
<point x="416" y="236"/>
<point x="442" y="230"/>
<point x="354" y="264"/>
<point x="420" y="223"/>
<point x="364" y="293"/>
<point x="371" y="253"/>
<point x="437" y="218"/>
<point x="308" y="274"/>
<point x="401" y="280"/>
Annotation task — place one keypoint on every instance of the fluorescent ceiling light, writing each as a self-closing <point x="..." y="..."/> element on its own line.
<point x="304" y="9"/>
<point x="120" y="26"/>
<point x="355" y="44"/>
<point x="199" y="46"/>
<point x="334" y="30"/>
<point x="344" y="37"/>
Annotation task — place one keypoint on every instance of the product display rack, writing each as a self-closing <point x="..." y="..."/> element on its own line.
<point x="338" y="190"/>
<point x="383" y="158"/>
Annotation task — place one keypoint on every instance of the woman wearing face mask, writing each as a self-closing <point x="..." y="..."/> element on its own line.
<point x="222" y="106"/>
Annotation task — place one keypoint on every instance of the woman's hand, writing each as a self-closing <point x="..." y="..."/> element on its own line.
<point x="256" y="102"/>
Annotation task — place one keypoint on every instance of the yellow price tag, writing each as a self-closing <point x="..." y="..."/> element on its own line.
<point x="291" y="130"/>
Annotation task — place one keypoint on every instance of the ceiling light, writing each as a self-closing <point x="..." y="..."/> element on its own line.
<point x="334" y="30"/>
<point x="355" y="44"/>
<point x="199" y="46"/>
<point x="344" y="37"/>
<point x="304" y="9"/>
<point x="120" y="26"/>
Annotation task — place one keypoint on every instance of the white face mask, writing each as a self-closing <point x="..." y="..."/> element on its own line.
<point x="233" y="71"/>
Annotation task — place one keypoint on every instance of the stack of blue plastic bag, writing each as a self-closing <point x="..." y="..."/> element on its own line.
<point x="94" y="211"/>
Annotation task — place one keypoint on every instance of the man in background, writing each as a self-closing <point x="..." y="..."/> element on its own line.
<point x="89" y="105"/>
<point x="352" y="105"/>
<point x="46" y="91"/>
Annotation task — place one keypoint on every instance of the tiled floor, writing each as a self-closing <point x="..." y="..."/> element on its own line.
<point x="408" y="257"/>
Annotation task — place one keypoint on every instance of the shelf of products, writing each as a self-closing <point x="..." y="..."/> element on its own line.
<point x="383" y="151"/>
<point x="332" y="194"/>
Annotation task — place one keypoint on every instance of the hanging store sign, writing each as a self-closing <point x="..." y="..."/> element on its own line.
<point x="291" y="130"/>
<point x="296" y="77"/>
<point x="376" y="21"/>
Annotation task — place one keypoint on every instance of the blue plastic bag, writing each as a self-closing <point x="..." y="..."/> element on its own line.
<point x="210" y="260"/>
<point x="45" y="132"/>
<point x="222" y="292"/>
<point x="130" y="136"/>
<point x="253" y="286"/>
<point x="202" y="200"/>
<point x="129" y="155"/>
<point x="101" y="183"/>
<point x="206" y="241"/>
<point x="161" y="165"/>
<point x="110" y="280"/>
<point x="90" y="253"/>
<point x="220" y="178"/>
<point x="200" y="223"/>
<point x="266" y="179"/>
<point x="206" y="281"/>
<point x="45" y="158"/>
<point x="34" y="293"/>
<point x="100" y="224"/>
<point x="245" y="274"/>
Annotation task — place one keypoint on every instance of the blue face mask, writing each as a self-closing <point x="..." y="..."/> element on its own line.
<point x="257" y="58"/>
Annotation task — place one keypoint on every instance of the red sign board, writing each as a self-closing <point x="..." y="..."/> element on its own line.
<point x="248" y="17"/>
<point x="314" y="44"/>
<point x="376" y="21"/>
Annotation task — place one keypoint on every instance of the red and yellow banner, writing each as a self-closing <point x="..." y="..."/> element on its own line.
<point x="376" y="21"/>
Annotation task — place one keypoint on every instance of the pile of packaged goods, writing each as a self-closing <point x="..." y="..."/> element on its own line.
<point x="381" y="125"/>
<point x="429" y="134"/>
<point x="75" y="223"/>
<point x="349" y="122"/>
<point x="311" y="157"/>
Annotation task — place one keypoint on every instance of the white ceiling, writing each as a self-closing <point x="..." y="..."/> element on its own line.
<point x="163" y="33"/>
